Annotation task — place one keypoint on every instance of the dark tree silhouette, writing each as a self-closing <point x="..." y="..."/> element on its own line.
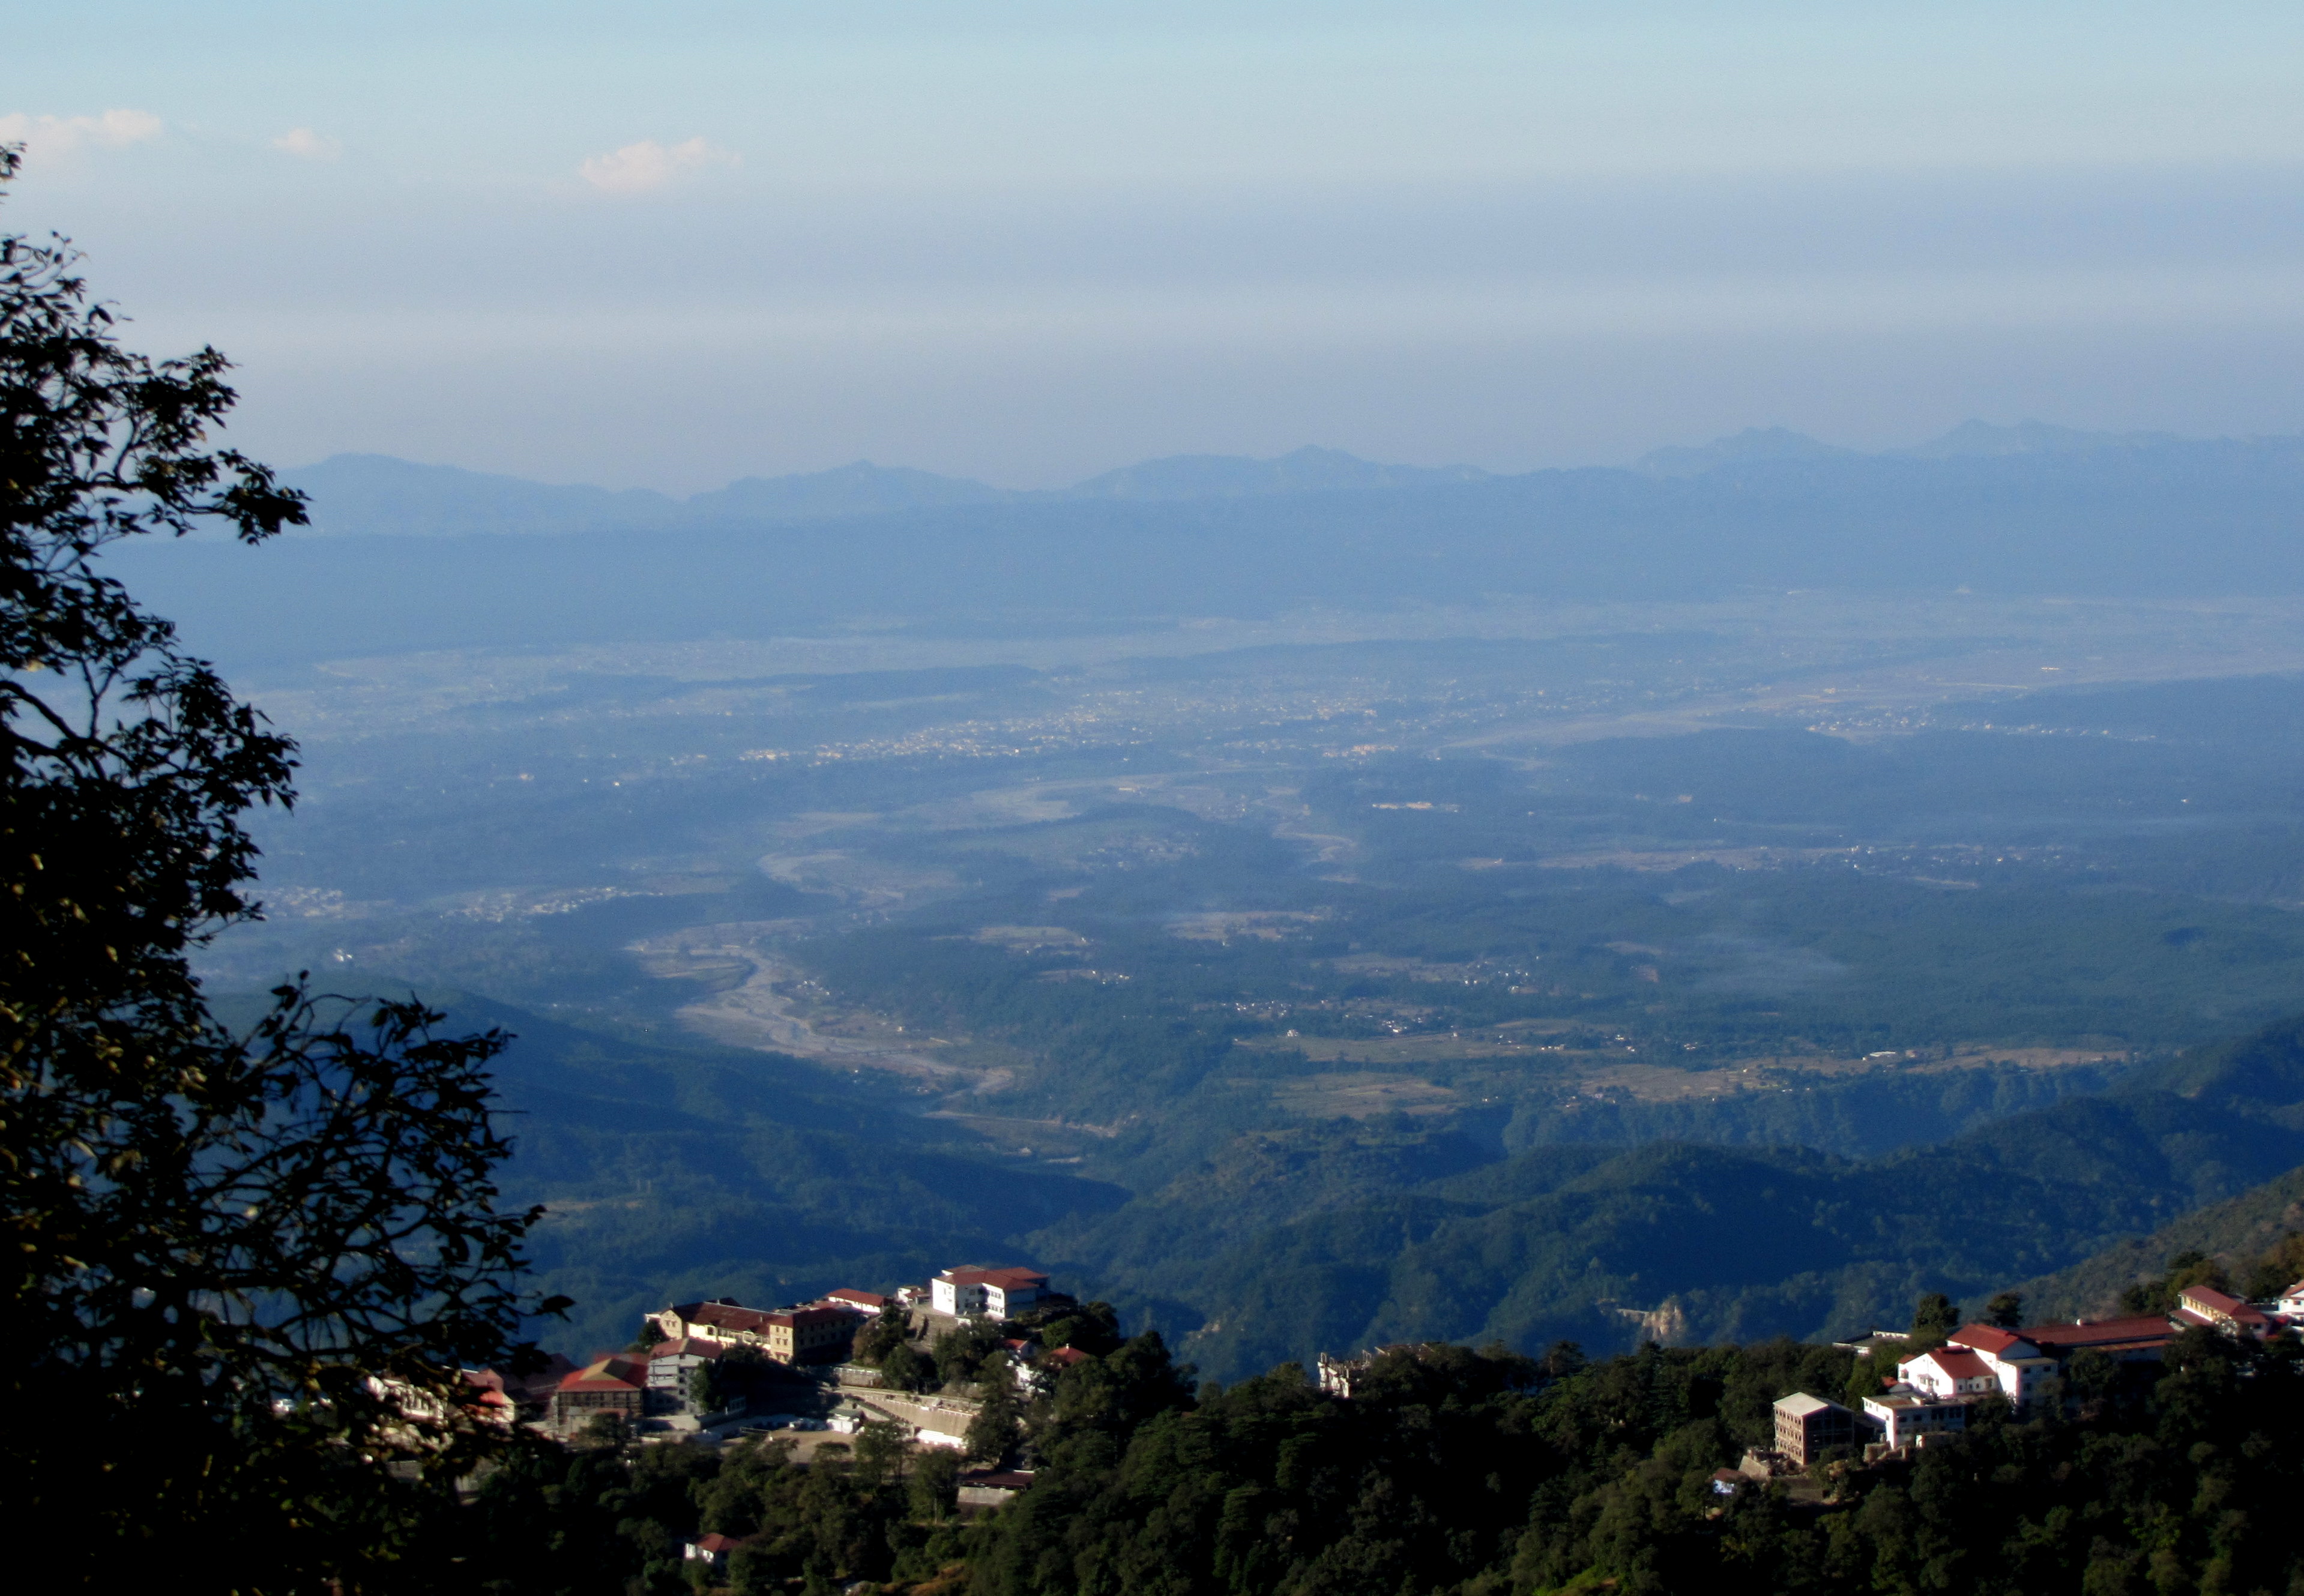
<point x="243" y="1267"/>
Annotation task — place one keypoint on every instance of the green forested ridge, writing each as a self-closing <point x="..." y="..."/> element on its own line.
<point x="1470" y="1474"/>
<point x="682" y="1170"/>
<point x="2228" y="1230"/>
<point x="1731" y="1243"/>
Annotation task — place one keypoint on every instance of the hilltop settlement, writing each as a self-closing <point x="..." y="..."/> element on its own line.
<point x="983" y="1431"/>
<point x="919" y="1358"/>
<point x="709" y="1369"/>
<point x="1935" y="1391"/>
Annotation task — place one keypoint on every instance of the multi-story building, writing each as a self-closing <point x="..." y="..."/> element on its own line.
<point x="670" y="1364"/>
<point x="2019" y="1367"/>
<point x="992" y="1294"/>
<point x="1807" y="1427"/>
<point x="616" y="1385"/>
<point x="814" y="1333"/>
<point x="722" y="1319"/>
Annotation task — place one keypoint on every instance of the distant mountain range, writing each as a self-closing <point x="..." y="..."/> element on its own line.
<point x="2029" y="510"/>
<point x="377" y="494"/>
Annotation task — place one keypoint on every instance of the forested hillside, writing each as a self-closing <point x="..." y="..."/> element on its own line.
<point x="1274" y="1250"/>
<point x="2227" y="1233"/>
<point x="677" y="1171"/>
<point x="1470" y="1474"/>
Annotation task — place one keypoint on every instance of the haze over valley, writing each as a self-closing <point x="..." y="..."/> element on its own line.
<point x="1260" y="926"/>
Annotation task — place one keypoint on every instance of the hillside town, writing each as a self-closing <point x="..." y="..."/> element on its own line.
<point x="819" y="1372"/>
<point x="948" y="1367"/>
<point x="673" y="1381"/>
<point x="1935" y="1389"/>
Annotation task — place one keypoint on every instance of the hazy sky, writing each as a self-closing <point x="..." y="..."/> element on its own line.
<point x="672" y="244"/>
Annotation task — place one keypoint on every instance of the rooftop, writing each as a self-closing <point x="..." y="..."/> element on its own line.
<point x="1007" y="1278"/>
<point x="2206" y="1300"/>
<point x="723" y="1313"/>
<point x="1958" y="1362"/>
<point x="614" y="1373"/>
<point x="1992" y="1338"/>
<point x="2101" y="1332"/>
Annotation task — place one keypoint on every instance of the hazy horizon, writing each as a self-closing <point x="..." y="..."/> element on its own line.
<point x="673" y="247"/>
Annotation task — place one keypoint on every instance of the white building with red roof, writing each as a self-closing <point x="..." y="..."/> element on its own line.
<point x="2022" y="1368"/>
<point x="993" y="1294"/>
<point x="711" y="1550"/>
<point x="1949" y="1372"/>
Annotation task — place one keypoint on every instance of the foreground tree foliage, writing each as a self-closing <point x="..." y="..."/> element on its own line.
<point x="243" y="1265"/>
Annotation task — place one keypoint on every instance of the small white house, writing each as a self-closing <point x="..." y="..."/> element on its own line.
<point x="711" y="1550"/>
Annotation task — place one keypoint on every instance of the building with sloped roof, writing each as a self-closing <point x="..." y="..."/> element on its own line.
<point x="2220" y="1309"/>
<point x="812" y="1333"/>
<point x="670" y="1365"/>
<point x="2134" y="1339"/>
<point x="2020" y="1366"/>
<point x="1948" y="1371"/>
<point x="721" y="1319"/>
<point x="711" y="1550"/>
<point x="615" y="1384"/>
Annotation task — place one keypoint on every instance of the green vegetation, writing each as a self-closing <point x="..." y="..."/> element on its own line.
<point x="1480" y="1475"/>
<point x="1289" y="1243"/>
<point x="2240" y="1236"/>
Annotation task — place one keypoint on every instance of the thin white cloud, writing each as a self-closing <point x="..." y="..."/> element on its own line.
<point x="306" y="145"/>
<point x="69" y="135"/>
<point x="638" y="168"/>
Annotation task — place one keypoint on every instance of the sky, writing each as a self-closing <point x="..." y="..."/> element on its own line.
<point x="670" y="245"/>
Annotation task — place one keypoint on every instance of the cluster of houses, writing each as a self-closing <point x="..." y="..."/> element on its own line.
<point x="1934" y="1390"/>
<point x="818" y="1334"/>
